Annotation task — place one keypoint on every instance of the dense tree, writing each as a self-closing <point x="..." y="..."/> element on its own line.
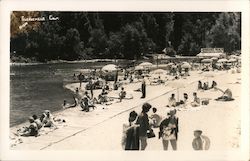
<point x="226" y="32"/>
<point x="130" y="35"/>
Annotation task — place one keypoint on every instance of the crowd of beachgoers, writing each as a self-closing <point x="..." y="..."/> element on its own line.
<point x="140" y="126"/>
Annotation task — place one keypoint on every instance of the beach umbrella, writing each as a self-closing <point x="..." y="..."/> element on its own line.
<point x="177" y="85"/>
<point x="110" y="68"/>
<point x="214" y="58"/>
<point x="207" y="61"/>
<point x="163" y="65"/>
<point x="186" y="65"/>
<point x="145" y="64"/>
<point x="139" y="67"/>
<point x="170" y="64"/>
<point x="159" y="71"/>
<point x="232" y="60"/>
<point x="222" y="61"/>
<point x="233" y="57"/>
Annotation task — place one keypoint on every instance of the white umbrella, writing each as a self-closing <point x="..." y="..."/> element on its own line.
<point x="222" y="61"/>
<point x="186" y="65"/>
<point x="146" y="64"/>
<point x="170" y="64"/>
<point x="232" y="60"/>
<point x="159" y="71"/>
<point x="110" y="68"/>
<point x="214" y="58"/>
<point x="207" y="61"/>
<point x="139" y="67"/>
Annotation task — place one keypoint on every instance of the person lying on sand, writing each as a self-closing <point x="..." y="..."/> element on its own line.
<point x="196" y="101"/>
<point x="32" y="130"/>
<point x="67" y="105"/>
<point x="227" y="95"/>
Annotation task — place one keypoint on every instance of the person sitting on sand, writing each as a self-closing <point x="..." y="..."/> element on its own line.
<point x="196" y="101"/>
<point x="172" y="101"/>
<point x="199" y="85"/>
<point x="32" y="130"/>
<point x="200" y="142"/>
<point x="205" y="86"/>
<point x="122" y="94"/>
<point x="102" y="97"/>
<point x="227" y="95"/>
<point x="214" y="84"/>
<point x="37" y="121"/>
<point x="155" y="119"/>
<point x="185" y="100"/>
<point x="47" y="119"/>
<point x="66" y="105"/>
<point x="86" y="103"/>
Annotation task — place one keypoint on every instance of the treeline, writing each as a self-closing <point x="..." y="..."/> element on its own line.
<point x="86" y="35"/>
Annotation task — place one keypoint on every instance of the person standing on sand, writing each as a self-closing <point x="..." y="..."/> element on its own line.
<point x="130" y="139"/>
<point x="80" y="78"/>
<point x="143" y="88"/>
<point x="143" y="123"/>
<point x="91" y="87"/>
<point x="169" y="130"/>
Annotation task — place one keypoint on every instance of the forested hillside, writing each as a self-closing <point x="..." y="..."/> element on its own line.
<point x="87" y="35"/>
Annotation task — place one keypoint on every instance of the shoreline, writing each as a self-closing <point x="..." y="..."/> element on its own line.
<point x="67" y="61"/>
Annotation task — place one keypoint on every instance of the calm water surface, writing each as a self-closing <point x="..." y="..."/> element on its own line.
<point x="34" y="88"/>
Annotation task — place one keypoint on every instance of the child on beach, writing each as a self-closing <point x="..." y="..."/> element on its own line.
<point x="67" y="105"/>
<point x="200" y="142"/>
<point x="122" y="94"/>
<point x="155" y="119"/>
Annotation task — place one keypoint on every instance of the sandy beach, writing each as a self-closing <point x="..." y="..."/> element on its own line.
<point x="101" y="129"/>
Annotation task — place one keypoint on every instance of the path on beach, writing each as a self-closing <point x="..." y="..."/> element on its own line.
<point x="102" y="129"/>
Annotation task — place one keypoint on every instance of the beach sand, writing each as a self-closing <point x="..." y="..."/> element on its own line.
<point x="101" y="129"/>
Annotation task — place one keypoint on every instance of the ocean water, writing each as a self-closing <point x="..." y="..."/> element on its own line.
<point x="35" y="88"/>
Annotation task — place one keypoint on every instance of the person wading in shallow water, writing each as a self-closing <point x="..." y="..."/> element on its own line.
<point x="143" y="123"/>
